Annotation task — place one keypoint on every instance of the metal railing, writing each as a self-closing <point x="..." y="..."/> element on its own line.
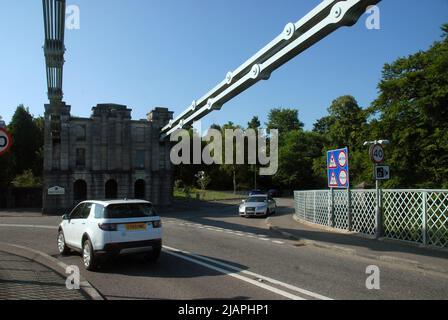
<point x="418" y="216"/>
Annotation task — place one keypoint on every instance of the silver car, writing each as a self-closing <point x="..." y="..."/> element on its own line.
<point x="259" y="205"/>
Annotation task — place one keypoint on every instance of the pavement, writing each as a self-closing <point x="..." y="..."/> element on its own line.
<point x="211" y="253"/>
<point x="24" y="279"/>
<point x="29" y="274"/>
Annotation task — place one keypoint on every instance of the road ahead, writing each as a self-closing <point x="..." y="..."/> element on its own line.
<point x="213" y="254"/>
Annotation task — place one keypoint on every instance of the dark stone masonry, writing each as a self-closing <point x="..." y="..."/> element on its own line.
<point x="106" y="156"/>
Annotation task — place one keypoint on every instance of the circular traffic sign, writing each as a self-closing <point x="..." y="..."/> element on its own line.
<point x="342" y="159"/>
<point x="343" y="178"/>
<point x="377" y="153"/>
<point x="5" y="141"/>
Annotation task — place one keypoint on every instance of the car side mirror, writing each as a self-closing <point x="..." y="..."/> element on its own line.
<point x="244" y="201"/>
<point x="65" y="217"/>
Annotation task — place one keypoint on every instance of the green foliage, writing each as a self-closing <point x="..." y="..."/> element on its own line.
<point x="285" y="120"/>
<point x="27" y="134"/>
<point x="254" y="123"/>
<point x="412" y="111"/>
<point x="27" y="180"/>
<point x="296" y="155"/>
<point x="203" y="180"/>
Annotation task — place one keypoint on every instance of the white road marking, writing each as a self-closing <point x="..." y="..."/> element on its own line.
<point x="185" y="255"/>
<point x="251" y="235"/>
<point x="28" y="226"/>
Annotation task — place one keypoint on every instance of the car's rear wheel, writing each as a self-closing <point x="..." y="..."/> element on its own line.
<point x="154" y="255"/>
<point x="88" y="256"/>
<point x="62" y="246"/>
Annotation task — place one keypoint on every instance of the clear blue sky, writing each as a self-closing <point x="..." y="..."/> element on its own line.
<point x="146" y="53"/>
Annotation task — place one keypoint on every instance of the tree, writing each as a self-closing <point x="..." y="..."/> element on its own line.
<point x="254" y="123"/>
<point x="345" y="126"/>
<point x="203" y="180"/>
<point x="27" y="180"/>
<point x="28" y="140"/>
<point x="322" y="126"/>
<point x="296" y="155"/>
<point x="285" y="120"/>
<point x="412" y="112"/>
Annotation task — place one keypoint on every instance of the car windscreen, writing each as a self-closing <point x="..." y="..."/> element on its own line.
<point x="129" y="210"/>
<point x="256" y="199"/>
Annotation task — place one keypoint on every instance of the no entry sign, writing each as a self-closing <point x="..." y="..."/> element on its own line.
<point x="5" y="141"/>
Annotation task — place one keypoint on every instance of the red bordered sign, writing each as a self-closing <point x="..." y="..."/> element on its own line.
<point x="5" y="141"/>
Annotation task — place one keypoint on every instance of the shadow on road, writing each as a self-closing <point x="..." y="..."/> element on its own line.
<point x="168" y="266"/>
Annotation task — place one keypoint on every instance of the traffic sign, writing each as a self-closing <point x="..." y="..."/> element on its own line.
<point x="333" y="181"/>
<point x="377" y="153"/>
<point x="382" y="172"/>
<point x="5" y="141"/>
<point x="342" y="159"/>
<point x="337" y="165"/>
<point x="343" y="178"/>
<point x="332" y="164"/>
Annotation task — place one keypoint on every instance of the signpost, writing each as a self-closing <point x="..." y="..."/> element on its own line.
<point x="338" y="178"/>
<point x="338" y="173"/>
<point x="5" y="141"/>
<point x="380" y="172"/>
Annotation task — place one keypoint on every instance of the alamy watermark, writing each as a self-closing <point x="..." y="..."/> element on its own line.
<point x="373" y="281"/>
<point x="72" y="17"/>
<point x="73" y="281"/>
<point x="262" y="148"/>
<point x="373" y="21"/>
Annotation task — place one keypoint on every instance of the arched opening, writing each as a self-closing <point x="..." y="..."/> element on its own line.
<point x="139" y="189"/>
<point x="80" y="190"/>
<point x="111" y="189"/>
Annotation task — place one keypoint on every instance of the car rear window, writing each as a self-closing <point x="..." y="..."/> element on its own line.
<point x="130" y="210"/>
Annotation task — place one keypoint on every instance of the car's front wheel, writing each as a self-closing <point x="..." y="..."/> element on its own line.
<point x="88" y="256"/>
<point x="62" y="246"/>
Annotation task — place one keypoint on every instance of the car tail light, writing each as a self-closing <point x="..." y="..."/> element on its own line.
<point x="107" y="226"/>
<point x="157" y="224"/>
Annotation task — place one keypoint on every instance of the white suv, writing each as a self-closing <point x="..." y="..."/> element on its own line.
<point x="108" y="228"/>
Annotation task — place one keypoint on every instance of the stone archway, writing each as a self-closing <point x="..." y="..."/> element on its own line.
<point x="80" y="190"/>
<point x="111" y="189"/>
<point x="140" y="189"/>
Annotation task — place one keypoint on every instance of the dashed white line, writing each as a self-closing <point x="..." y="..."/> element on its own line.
<point x="250" y="235"/>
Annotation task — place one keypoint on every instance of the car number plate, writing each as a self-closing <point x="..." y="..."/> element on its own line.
<point x="136" y="227"/>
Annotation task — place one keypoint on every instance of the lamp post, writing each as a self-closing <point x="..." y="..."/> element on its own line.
<point x="377" y="156"/>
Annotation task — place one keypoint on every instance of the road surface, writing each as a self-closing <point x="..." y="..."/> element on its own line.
<point x="213" y="254"/>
